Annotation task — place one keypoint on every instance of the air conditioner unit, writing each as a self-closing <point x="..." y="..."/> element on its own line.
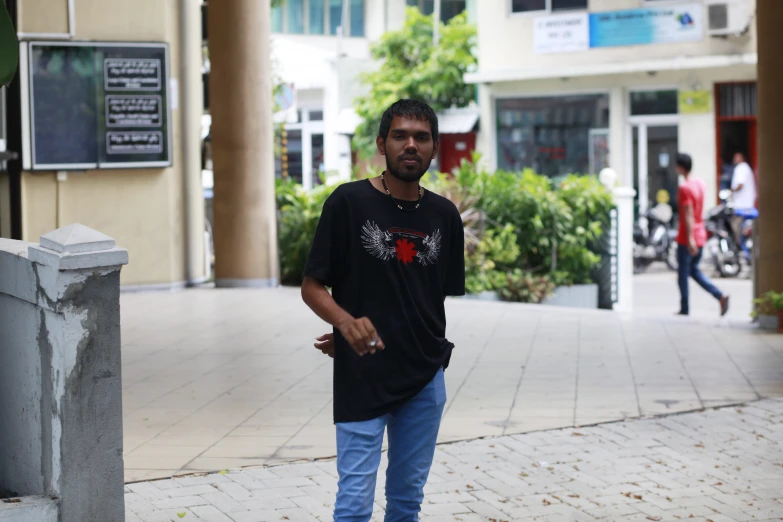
<point x="728" y="17"/>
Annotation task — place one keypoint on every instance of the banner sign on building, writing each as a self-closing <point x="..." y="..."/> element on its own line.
<point x="677" y="23"/>
<point x="562" y="33"/>
<point x="694" y="102"/>
<point x="666" y="24"/>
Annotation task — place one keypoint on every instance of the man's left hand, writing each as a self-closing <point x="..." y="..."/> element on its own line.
<point x="326" y="344"/>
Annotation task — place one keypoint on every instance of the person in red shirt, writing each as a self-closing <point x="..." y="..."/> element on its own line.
<point x="692" y="236"/>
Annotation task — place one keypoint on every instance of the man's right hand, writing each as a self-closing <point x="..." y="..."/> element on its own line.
<point x="692" y="248"/>
<point x="361" y="334"/>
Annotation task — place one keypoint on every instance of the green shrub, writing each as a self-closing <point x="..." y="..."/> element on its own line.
<point x="523" y="235"/>
<point x="524" y="287"/>
<point x="486" y="266"/>
<point x="557" y="228"/>
<point x="298" y="213"/>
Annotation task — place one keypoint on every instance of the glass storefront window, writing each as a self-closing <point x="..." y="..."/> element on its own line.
<point x="550" y="135"/>
<point x="645" y="103"/>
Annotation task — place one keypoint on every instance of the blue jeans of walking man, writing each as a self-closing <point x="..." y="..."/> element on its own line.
<point x="413" y="432"/>
<point x="688" y="266"/>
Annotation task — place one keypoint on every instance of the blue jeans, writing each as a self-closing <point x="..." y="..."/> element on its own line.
<point x="688" y="266"/>
<point x="413" y="431"/>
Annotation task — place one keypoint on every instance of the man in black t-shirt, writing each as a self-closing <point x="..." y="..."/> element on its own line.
<point x="391" y="251"/>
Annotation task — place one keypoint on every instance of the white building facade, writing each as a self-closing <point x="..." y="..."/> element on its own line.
<point x="572" y="86"/>
<point x="320" y="47"/>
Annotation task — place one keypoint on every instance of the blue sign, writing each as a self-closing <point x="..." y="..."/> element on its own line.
<point x="680" y="23"/>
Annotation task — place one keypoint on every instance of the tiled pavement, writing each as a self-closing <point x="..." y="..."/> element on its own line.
<point x="715" y="465"/>
<point x="220" y="379"/>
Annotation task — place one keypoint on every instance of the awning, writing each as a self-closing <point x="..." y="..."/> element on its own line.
<point x="458" y="121"/>
<point x="450" y="121"/>
<point x="678" y="63"/>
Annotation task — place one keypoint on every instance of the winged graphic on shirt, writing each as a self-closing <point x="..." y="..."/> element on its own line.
<point x="381" y="244"/>
<point x="377" y="242"/>
<point x="429" y="255"/>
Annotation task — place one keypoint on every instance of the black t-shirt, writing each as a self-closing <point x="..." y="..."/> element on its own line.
<point x="394" y="268"/>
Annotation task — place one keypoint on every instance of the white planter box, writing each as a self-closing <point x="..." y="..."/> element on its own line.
<point x="484" y="296"/>
<point x="768" y="322"/>
<point x="576" y="296"/>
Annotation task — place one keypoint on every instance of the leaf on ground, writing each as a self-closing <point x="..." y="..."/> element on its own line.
<point x="577" y="434"/>
<point x="654" y="518"/>
<point x="223" y="472"/>
<point x="546" y="502"/>
<point x="182" y="515"/>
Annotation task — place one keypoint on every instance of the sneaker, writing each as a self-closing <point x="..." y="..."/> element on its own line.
<point x="724" y="305"/>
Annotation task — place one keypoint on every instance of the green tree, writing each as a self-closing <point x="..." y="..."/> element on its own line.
<point x="413" y="67"/>
<point x="9" y="47"/>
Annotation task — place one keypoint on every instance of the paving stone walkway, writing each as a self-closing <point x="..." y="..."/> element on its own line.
<point x="718" y="465"/>
<point x="222" y="379"/>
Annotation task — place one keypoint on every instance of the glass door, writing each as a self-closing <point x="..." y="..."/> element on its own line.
<point x="654" y="152"/>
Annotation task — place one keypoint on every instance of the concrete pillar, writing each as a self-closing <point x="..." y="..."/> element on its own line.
<point x="191" y="108"/>
<point x="769" y="19"/>
<point x="618" y="129"/>
<point x="624" y="200"/>
<point x="245" y="227"/>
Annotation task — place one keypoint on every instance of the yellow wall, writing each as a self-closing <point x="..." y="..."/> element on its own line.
<point x="142" y="209"/>
<point x="43" y="16"/>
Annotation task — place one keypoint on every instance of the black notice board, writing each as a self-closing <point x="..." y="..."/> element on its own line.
<point x="99" y="105"/>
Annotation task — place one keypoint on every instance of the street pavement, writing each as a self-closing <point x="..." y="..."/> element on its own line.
<point x="656" y="294"/>
<point x="223" y="379"/>
<point x="718" y="465"/>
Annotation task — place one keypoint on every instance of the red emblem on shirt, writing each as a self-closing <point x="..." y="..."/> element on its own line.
<point x="406" y="251"/>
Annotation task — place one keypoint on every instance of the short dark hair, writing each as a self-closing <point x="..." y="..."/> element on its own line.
<point x="684" y="161"/>
<point x="410" y="109"/>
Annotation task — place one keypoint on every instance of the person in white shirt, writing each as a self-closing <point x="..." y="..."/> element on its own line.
<point x="743" y="186"/>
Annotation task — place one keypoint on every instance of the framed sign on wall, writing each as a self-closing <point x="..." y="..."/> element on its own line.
<point x="94" y="105"/>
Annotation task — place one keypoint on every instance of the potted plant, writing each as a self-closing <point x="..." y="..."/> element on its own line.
<point x="769" y="310"/>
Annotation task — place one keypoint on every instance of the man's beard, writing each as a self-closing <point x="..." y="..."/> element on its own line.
<point x="406" y="174"/>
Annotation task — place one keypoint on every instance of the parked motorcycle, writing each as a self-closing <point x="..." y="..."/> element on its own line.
<point x="726" y="252"/>
<point x="653" y="239"/>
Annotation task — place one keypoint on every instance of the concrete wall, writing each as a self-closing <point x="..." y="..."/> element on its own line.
<point x="143" y="208"/>
<point x="506" y="40"/>
<point x="60" y="381"/>
<point x="20" y="374"/>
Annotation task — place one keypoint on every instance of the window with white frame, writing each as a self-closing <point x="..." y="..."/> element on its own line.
<point x="448" y="8"/>
<point x="529" y="6"/>
<point x="299" y="151"/>
<point x="319" y="17"/>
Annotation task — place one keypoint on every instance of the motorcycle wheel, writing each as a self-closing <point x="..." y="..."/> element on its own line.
<point x="640" y="265"/>
<point x="727" y="262"/>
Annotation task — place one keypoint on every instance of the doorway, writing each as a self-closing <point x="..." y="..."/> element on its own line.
<point x="655" y="146"/>
<point x="736" y="127"/>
